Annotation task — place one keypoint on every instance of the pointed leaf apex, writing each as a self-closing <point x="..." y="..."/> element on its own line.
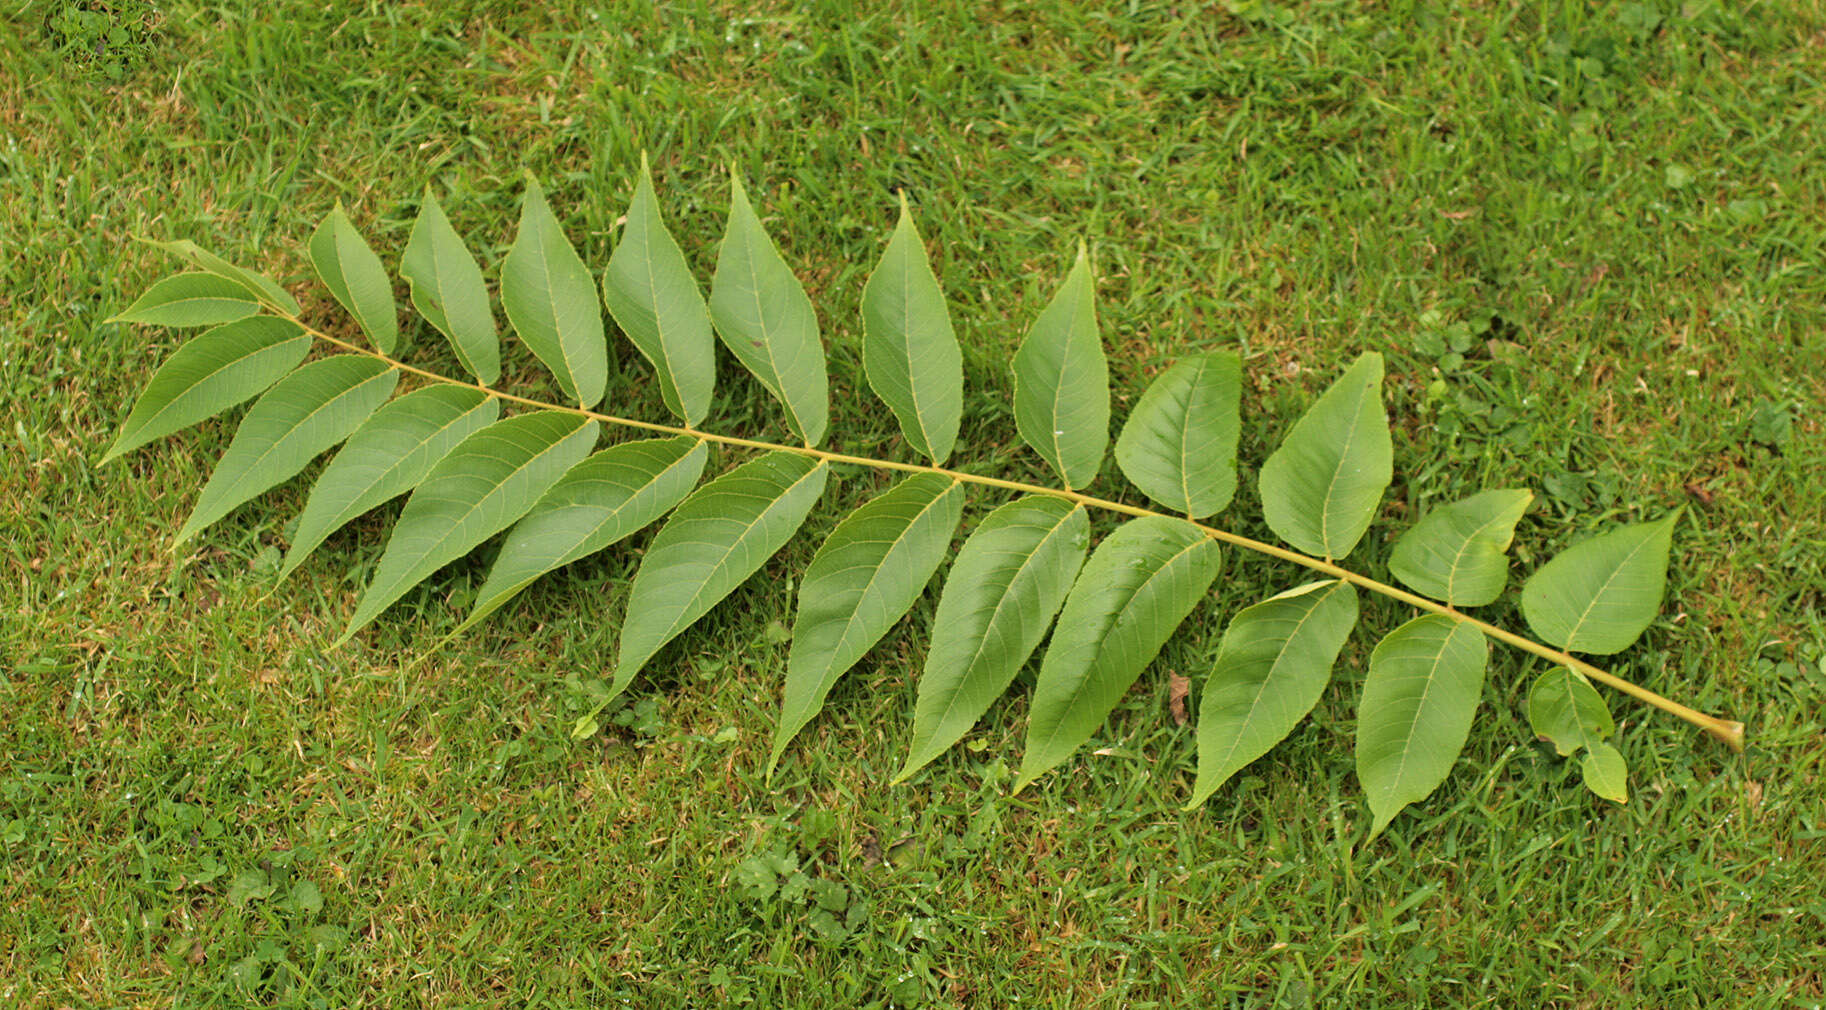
<point x="644" y="169"/>
<point x="902" y="193"/>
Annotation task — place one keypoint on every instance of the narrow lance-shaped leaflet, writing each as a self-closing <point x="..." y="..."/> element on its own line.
<point x="909" y="349"/>
<point x="488" y="481"/>
<point x="863" y="580"/>
<point x="763" y="316"/>
<point x="1062" y="383"/>
<point x="447" y="288"/>
<point x="650" y="292"/>
<point x="304" y="414"/>
<point x="1139" y="584"/>
<point x="713" y="542"/>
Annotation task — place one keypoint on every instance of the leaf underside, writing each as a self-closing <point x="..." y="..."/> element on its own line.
<point x="1418" y="700"/>
<point x="713" y="542"/>
<point x="1273" y="664"/>
<point x="862" y="581"/>
<point x="1321" y="487"/>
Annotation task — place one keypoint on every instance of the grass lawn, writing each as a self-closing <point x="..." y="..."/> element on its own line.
<point x="1590" y="243"/>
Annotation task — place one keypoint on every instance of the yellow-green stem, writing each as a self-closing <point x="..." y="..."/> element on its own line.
<point x="1729" y="732"/>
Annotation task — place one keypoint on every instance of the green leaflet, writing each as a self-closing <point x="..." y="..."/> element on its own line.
<point x="1321" y="487"/>
<point x="308" y="411"/>
<point x="862" y="581"/>
<point x="1605" y="772"/>
<point x="607" y="497"/>
<point x="1000" y="597"/>
<point x="1137" y="587"/>
<point x="1273" y="665"/>
<point x="764" y="317"/>
<point x="1600" y="595"/>
<point x="1563" y="707"/>
<point x="909" y="349"/>
<point x="478" y="489"/>
<point x="195" y="299"/>
<point x="209" y="374"/>
<point x="1179" y="445"/>
<point x="1422" y="690"/>
<point x="650" y="292"/>
<point x="720" y="536"/>
<point x="550" y="298"/>
<point x="390" y="454"/>
<point x="354" y="275"/>
<point x="1062" y="382"/>
<point x="446" y="287"/>
<point x="262" y="288"/>
<point x="1456" y="553"/>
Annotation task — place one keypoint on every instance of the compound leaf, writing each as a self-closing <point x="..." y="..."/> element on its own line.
<point x="212" y="372"/>
<point x="478" y="489"/>
<point x="1062" y="382"/>
<point x="1274" y="662"/>
<point x="649" y="290"/>
<point x="355" y="276"/>
<point x="1456" y="553"/>
<point x="261" y="287"/>
<point x="1000" y="597"/>
<point x="1179" y="444"/>
<point x="862" y="581"/>
<point x="715" y="540"/>
<point x="611" y="495"/>
<point x="447" y="288"/>
<point x="1422" y="690"/>
<point x="390" y="454"/>
<point x="909" y="349"/>
<point x="1137" y="587"/>
<point x="1320" y="488"/>
<point x="1600" y="595"/>
<point x="550" y="298"/>
<point x="307" y="412"/>
<point x="192" y="299"/>
<point x="763" y="316"/>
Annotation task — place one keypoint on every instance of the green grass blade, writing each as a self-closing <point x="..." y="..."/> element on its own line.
<point x="551" y="300"/>
<point x="1179" y="445"/>
<point x="1273" y="664"/>
<point x="356" y="278"/>
<point x="649" y="290"/>
<point x="192" y="299"/>
<point x="260" y="286"/>
<point x="862" y="581"/>
<point x="1321" y="487"/>
<point x="1457" y="552"/>
<point x="1418" y="700"/>
<point x="479" y="489"/>
<point x="1062" y="381"/>
<point x="212" y="372"/>
<point x="1137" y="587"/>
<point x="389" y="455"/>
<point x="1600" y="595"/>
<point x="909" y="349"/>
<point x="306" y="413"/>
<point x="763" y="316"/>
<point x="714" y="541"/>
<point x="611" y="495"/>
<point x="1000" y="597"/>
<point x="447" y="288"/>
